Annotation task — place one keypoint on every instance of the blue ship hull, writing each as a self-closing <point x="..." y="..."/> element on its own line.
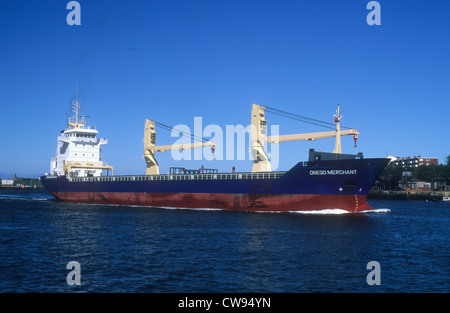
<point x="313" y="185"/>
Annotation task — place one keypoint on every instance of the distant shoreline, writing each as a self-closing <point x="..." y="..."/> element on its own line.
<point x="21" y="183"/>
<point x="407" y="195"/>
<point x="25" y="187"/>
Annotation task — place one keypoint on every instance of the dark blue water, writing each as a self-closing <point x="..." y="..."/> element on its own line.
<point x="132" y="249"/>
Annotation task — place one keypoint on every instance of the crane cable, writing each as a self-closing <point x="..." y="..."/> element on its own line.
<point x="169" y="128"/>
<point x="302" y="118"/>
<point x="268" y="109"/>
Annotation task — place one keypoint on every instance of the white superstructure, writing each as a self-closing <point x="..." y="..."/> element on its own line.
<point x="78" y="150"/>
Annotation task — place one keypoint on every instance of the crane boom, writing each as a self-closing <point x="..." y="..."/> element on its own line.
<point x="261" y="161"/>
<point x="309" y="136"/>
<point x="184" y="146"/>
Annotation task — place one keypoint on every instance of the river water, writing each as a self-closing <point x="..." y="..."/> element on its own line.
<point x="134" y="249"/>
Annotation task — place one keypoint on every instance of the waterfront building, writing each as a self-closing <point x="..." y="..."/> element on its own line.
<point x="416" y="161"/>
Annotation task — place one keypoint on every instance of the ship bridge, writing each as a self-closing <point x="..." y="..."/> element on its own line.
<point x="78" y="149"/>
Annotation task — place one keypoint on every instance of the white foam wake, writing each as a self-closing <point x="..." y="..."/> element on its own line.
<point x="340" y="211"/>
<point x="323" y="212"/>
<point x="181" y="208"/>
<point x="376" y="211"/>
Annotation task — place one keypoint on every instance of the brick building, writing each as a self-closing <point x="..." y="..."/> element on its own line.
<point x="416" y="161"/>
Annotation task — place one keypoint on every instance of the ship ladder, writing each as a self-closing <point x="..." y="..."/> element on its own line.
<point x="356" y="203"/>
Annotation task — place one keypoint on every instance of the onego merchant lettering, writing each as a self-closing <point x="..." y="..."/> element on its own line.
<point x="333" y="172"/>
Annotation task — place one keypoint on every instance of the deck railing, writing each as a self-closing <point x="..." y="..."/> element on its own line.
<point x="181" y="177"/>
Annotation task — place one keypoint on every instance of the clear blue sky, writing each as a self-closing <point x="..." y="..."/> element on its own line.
<point x="214" y="59"/>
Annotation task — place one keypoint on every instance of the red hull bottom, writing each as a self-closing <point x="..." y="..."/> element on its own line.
<point x="235" y="202"/>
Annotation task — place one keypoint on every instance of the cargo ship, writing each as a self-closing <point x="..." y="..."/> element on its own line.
<point x="327" y="180"/>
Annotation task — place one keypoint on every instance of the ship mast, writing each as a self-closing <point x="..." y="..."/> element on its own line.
<point x="73" y="121"/>
<point x="337" y="119"/>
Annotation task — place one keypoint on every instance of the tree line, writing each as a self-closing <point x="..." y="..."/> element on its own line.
<point x="392" y="174"/>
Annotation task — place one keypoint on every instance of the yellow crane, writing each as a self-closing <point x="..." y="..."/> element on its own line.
<point x="150" y="148"/>
<point x="261" y="161"/>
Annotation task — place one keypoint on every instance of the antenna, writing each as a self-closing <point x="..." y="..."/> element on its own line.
<point x="73" y="121"/>
<point x="77" y="88"/>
